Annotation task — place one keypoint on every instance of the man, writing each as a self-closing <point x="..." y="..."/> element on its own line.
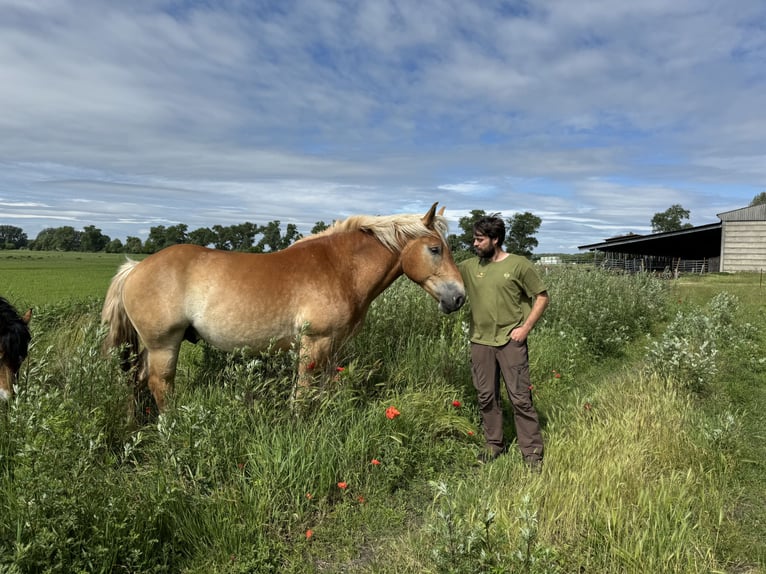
<point x="507" y="297"/>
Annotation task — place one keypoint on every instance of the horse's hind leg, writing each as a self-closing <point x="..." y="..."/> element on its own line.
<point x="161" y="367"/>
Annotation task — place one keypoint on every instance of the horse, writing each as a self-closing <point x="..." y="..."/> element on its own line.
<point x="14" y="345"/>
<point x="315" y="293"/>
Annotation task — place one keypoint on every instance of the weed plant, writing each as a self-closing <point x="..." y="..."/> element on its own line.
<point x="376" y="471"/>
<point x="699" y="340"/>
<point x="602" y="312"/>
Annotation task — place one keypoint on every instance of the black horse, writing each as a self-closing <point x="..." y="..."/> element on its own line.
<point x="14" y="345"/>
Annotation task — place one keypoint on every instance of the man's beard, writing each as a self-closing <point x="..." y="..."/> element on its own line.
<point x="486" y="255"/>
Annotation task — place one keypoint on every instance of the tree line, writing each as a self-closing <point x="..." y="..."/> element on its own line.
<point x="241" y="237"/>
<point x="520" y="237"/>
<point x="247" y="236"/>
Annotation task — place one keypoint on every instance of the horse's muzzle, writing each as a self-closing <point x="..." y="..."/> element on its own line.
<point x="451" y="298"/>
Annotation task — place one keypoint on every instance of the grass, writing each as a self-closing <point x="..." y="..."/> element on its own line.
<point x="643" y="472"/>
<point x="34" y="278"/>
<point x="735" y="415"/>
<point x="750" y="287"/>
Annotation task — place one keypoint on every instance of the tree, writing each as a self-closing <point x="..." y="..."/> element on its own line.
<point x="57" y="239"/>
<point x="454" y="243"/>
<point x="243" y="236"/>
<point x="273" y="238"/>
<point x="12" y="237"/>
<point x="223" y="237"/>
<point x="176" y="234"/>
<point x="759" y="199"/>
<point x="133" y="245"/>
<point x="235" y="237"/>
<point x="319" y="227"/>
<point x="156" y="239"/>
<point x="43" y="241"/>
<point x="203" y="236"/>
<point x="161" y="237"/>
<point x="91" y="239"/>
<point x="114" y="246"/>
<point x="291" y="235"/>
<point x="67" y="238"/>
<point x="670" y="219"/>
<point x="520" y="234"/>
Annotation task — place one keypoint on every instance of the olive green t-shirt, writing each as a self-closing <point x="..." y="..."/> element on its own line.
<point x="501" y="295"/>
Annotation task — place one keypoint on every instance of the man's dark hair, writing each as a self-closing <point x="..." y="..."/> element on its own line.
<point x="492" y="226"/>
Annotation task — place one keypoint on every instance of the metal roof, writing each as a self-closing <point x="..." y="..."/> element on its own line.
<point x="703" y="241"/>
<point x="752" y="213"/>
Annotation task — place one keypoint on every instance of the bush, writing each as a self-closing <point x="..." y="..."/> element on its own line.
<point x="689" y="351"/>
<point x="603" y="310"/>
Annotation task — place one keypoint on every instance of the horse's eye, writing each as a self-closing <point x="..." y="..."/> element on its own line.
<point x="435" y="250"/>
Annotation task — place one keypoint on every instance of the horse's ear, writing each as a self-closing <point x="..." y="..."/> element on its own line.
<point x="27" y="317"/>
<point x="441" y="211"/>
<point x="428" y="218"/>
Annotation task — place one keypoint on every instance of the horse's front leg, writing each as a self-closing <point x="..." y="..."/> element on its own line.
<point x="313" y="361"/>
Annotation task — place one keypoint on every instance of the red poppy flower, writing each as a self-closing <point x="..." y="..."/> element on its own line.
<point x="361" y="499"/>
<point x="343" y="485"/>
<point x="470" y="433"/>
<point x="557" y="375"/>
<point x="340" y="369"/>
<point x="375" y="462"/>
<point x="309" y="534"/>
<point x="456" y="404"/>
<point x="392" y="412"/>
<point x="312" y="365"/>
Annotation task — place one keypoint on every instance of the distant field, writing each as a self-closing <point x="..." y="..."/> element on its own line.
<point x="36" y="278"/>
<point x="749" y="287"/>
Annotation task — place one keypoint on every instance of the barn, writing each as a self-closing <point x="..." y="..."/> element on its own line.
<point x="736" y="243"/>
<point x="743" y="239"/>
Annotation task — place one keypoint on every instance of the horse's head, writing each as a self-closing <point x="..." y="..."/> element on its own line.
<point x="14" y="345"/>
<point x="427" y="260"/>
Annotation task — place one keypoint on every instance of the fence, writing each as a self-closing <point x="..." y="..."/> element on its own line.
<point x="669" y="267"/>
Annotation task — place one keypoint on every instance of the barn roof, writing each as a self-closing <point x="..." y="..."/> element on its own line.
<point x="752" y="213"/>
<point x="703" y="241"/>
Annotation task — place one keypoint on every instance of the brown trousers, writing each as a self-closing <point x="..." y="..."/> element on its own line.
<point x="512" y="361"/>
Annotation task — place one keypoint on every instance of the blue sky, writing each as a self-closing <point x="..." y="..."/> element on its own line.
<point x="594" y="114"/>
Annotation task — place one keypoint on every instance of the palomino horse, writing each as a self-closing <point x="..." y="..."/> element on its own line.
<point x="14" y="345"/>
<point x="316" y="292"/>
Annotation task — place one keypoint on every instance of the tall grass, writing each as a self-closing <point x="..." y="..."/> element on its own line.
<point x="231" y="479"/>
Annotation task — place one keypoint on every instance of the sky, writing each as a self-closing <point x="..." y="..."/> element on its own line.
<point x="592" y="114"/>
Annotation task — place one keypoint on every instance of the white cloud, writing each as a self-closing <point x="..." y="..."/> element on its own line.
<point x="594" y="114"/>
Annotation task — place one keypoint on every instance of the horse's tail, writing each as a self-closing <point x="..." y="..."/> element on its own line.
<point x="122" y="334"/>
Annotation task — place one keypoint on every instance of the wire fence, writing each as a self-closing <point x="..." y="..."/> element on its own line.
<point x="666" y="267"/>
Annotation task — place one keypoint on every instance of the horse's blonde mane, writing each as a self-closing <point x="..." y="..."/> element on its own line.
<point x="393" y="231"/>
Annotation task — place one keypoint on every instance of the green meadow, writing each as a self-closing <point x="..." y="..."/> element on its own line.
<point x="29" y="278"/>
<point x="652" y="395"/>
